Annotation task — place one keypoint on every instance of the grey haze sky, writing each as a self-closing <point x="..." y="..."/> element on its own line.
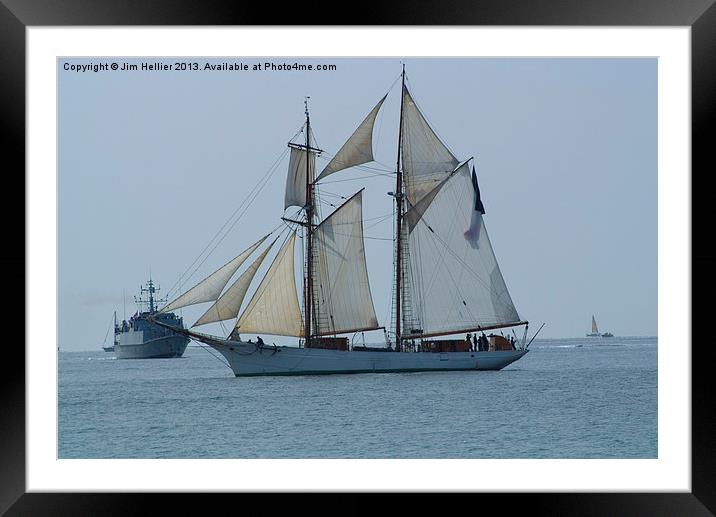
<point x="153" y="163"/>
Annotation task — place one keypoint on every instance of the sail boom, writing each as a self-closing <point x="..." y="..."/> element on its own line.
<point x="348" y="331"/>
<point x="468" y="329"/>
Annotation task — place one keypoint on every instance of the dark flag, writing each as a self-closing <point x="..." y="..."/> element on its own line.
<point x="478" y="201"/>
<point x="473" y="233"/>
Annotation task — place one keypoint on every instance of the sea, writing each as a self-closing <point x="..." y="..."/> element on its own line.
<point x="567" y="398"/>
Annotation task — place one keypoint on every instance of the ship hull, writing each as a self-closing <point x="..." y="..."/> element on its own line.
<point x="248" y="360"/>
<point x="132" y="346"/>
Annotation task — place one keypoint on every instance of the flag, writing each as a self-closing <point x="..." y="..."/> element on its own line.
<point x="472" y="235"/>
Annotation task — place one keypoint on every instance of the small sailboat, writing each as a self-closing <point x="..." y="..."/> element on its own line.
<point x="446" y="279"/>
<point x="595" y="330"/>
<point x="105" y="346"/>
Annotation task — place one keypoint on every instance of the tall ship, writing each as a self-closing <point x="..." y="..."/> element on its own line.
<point x="150" y="333"/>
<point x="449" y="299"/>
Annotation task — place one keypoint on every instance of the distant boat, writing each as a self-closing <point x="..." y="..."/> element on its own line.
<point x="595" y="330"/>
<point x="105" y="346"/>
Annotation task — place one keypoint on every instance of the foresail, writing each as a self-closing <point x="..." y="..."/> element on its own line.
<point x="358" y="149"/>
<point x="454" y="279"/>
<point x="274" y="308"/>
<point x="426" y="160"/>
<point x="228" y="305"/>
<point x="210" y="288"/>
<point x="344" y="301"/>
<point x="296" y="178"/>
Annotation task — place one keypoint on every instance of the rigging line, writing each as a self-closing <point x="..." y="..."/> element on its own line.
<point x="254" y="196"/>
<point x="386" y="168"/>
<point x="207" y="349"/>
<point x="381" y="172"/>
<point x="377" y="222"/>
<point x="372" y="176"/>
<point x="250" y="197"/>
<point x="332" y="194"/>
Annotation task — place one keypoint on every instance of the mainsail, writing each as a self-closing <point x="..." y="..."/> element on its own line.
<point x="274" y="308"/>
<point x="228" y="305"/>
<point x="358" y="149"/>
<point x="455" y="281"/>
<point x="210" y="288"/>
<point x="343" y="291"/>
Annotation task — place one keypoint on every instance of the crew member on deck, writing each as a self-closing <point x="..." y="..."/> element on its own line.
<point x="259" y="340"/>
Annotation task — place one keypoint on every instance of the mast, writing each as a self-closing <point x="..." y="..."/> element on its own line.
<point x="399" y="218"/>
<point x="308" y="296"/>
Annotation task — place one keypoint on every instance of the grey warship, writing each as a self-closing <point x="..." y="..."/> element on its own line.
<point x="139" y="338"/>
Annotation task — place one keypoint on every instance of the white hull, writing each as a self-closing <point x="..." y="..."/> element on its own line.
<point x="248" y="359"/>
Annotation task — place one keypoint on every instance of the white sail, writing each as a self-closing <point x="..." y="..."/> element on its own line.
<point x="228" y="305"/>
<point x="296" y="178"/>
<point x="274" y="308"/>
<point x="415" y="212"/>
<point x="344" y="302"/>
<point x="210" y="288"/>
<point x="426" y="160"/>
<point x="358" y="149"/>
<point x="455" y="280"/>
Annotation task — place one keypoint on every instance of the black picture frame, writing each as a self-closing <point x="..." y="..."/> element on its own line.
<point x="700" y="15"/>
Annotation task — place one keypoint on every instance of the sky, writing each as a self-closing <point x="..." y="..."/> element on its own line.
<point x="152" y="164"/>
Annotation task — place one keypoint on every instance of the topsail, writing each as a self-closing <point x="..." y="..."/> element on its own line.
<point x="426" y="160"/>
<point x="296" y="179"/>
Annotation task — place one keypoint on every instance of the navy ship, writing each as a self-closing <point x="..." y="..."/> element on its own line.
<point x="139" y="338"/>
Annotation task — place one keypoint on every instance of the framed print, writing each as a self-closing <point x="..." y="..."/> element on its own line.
<point x="116" y="104"/>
